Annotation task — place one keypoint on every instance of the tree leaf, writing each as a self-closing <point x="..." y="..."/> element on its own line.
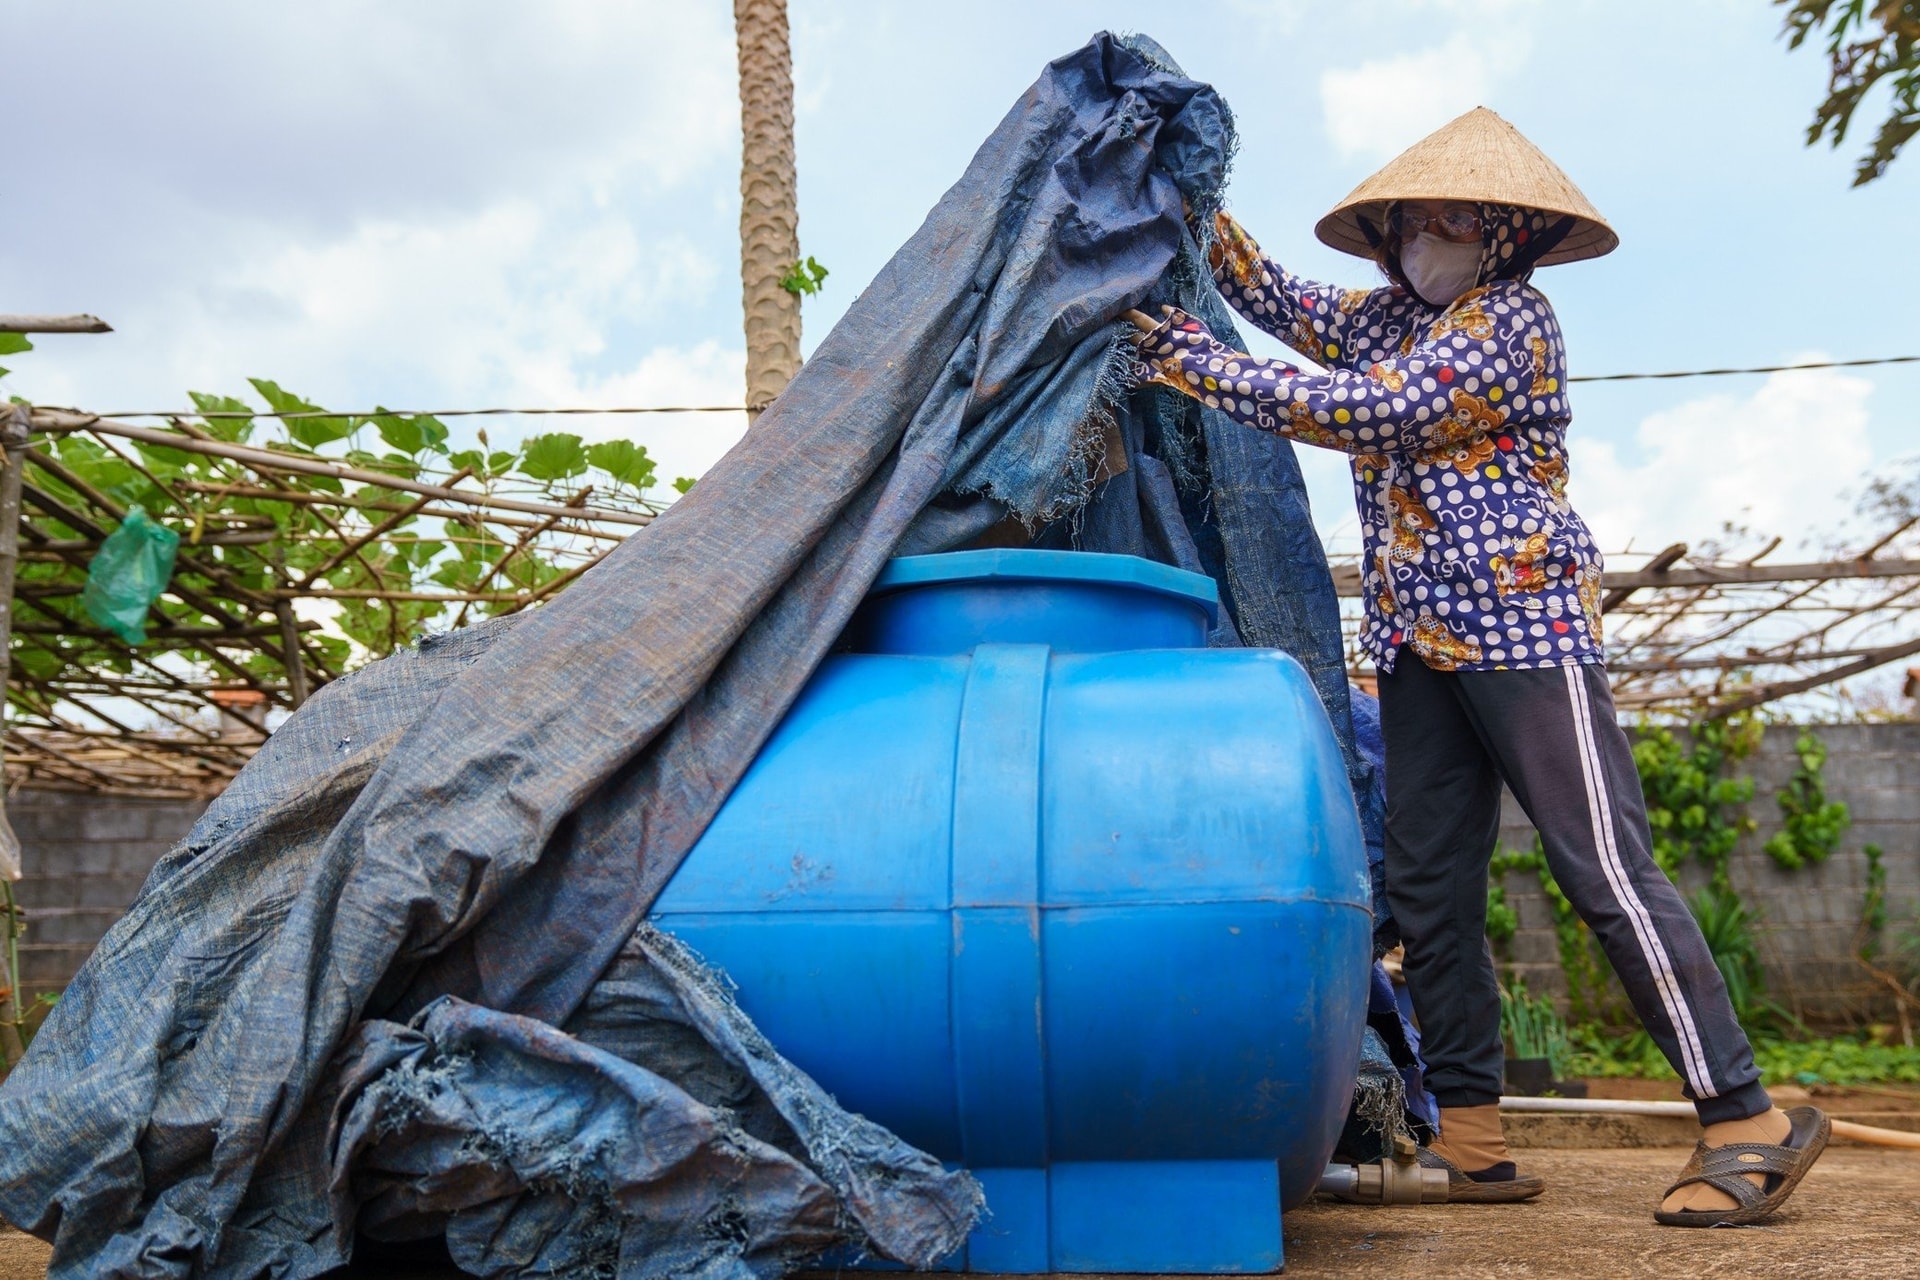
<point x="312" y="432"/>
<point x="12" y="344"/>
<point x="235" y="429"/>
<point x="410" y="435"/>
<point x="625" y="461"/>
<point x="102" y="469"/>
<point x="554" y="456"/>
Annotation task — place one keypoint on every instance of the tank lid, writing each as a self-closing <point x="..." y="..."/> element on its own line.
<point x="1014" y="564"/>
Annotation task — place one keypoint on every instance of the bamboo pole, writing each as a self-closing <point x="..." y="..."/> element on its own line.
<point x="169" y="632"/>
<point x="554" y="584"/>
<point x="60" y="511"/>
<point x="54" y="324"/>
<point x="13" y="443"/>
<point x="525" y="540"/>
<point x="290" y="645"/>
<point x="266" y="462"/>
<point x="1346" y="578"/>
<point x="381" y="593"/>
<point x="248" y="598"/>
<point x="392" y="522"/>
<point x="1659" y="564"/>
<point x="1774" y="692"/>
<point x="475" y="507"/>
<point x="1731" y="662"/>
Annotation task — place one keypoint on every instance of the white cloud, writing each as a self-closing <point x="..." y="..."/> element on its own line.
<point x="681" y="444"/>
<point x="1780" y="461"/>
<point x="423" y="205"/>
<point x="1377" y="109"/>
<point x="514" y="307"/>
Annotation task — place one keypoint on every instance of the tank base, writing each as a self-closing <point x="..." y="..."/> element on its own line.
<point x="1197" y="1217"/>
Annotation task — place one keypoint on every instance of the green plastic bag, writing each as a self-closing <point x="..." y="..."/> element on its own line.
<point x="128" y="573"/>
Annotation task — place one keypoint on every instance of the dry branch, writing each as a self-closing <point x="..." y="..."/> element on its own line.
<point x="54" y="324"/>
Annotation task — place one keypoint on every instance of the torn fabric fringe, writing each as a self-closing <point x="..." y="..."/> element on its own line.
<point x="548" y="1151"/>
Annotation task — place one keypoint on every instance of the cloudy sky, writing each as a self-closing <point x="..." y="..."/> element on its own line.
<point x="461" y="202"/>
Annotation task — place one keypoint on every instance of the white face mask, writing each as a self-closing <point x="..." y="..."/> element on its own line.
<point x="1440" y="270"/>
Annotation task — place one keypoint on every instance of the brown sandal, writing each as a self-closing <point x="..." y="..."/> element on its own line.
<point x="1502" y="1184"/>
<point x="1722" y="1168"/>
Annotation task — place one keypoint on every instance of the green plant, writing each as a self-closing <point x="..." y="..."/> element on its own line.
<point x="18" y="1021"/>
<point x="1843" y="1060"/>
<point x="1692" y="803"/>
<point x="1580" y="960"/>
<point x="1531" y="1028"/>
<point x="390" y="569"/>
<point x="1873" y="904"/>
<point x="1727" y="925"/>
<point x="1597" y="1052"/>
<point x="12" y="344"/>
<point x="1899" y="972"/>
<point x="803" y="279"/>
<point x="1812" y="825"/>
<point x="1694" y="808"/>
<point x="1502" y="920"/>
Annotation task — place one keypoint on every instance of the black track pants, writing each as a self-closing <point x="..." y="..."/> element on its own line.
<point x="1451" y="738"/>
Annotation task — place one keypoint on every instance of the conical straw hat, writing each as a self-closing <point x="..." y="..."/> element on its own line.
<point x="1478" y="157"/>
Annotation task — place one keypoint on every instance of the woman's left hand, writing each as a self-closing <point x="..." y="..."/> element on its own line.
<point x="1170" y="318"/>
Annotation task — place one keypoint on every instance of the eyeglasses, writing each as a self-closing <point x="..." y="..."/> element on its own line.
<point x="1454" y="224"/>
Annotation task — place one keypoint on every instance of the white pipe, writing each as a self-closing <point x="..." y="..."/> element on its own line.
<point x="1870" y="1134"/>
<point x="1599" y="1106"/>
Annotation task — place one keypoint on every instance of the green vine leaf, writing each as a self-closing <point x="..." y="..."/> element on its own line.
<point x="1812" y="825"/>
<point x="419" y="433"/>
<point x="231" y="429"/>
<point x="804" y="279"/>
<point x="312" y="432"/>
<point x="625" y="461"/>
<point x="558" y="455"/>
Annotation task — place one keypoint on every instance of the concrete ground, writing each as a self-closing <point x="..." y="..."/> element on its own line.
<point x="1856" y="1214"/>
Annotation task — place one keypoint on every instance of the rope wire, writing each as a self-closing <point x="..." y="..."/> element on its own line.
<point x="589" y="411"/>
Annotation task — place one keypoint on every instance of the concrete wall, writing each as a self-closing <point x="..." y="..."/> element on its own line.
<point x="1809" y="917"/>
<point x="83" y="859"/>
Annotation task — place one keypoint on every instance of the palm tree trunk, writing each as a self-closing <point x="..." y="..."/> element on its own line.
<point x="769" y="207"/>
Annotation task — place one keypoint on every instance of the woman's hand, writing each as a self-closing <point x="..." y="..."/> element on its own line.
<point x="1145" y="323"/>
<point x="1170" y="318"/>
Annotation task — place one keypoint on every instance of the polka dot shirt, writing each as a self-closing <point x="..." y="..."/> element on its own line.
<point x="1456" y="421"/>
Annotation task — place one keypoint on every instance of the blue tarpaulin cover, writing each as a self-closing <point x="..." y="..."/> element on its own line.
<point x="397" y="979"/>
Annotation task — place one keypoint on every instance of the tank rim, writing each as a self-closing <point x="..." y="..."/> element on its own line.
<point x="1016" y="564"/>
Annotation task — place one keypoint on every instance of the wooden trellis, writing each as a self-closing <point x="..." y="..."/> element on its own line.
<point x="308" y="555"/>
<point x="295" y="567"/>
<point x="1709" y="635"/>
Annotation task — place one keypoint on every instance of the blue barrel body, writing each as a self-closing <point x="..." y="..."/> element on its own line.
<point x="1051" y="890"/>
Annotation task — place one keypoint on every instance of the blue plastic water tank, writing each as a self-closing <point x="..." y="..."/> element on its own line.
<point x="1053" y="891"/>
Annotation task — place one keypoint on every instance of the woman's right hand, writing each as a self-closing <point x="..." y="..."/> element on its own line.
<point x="1145" y="323"/>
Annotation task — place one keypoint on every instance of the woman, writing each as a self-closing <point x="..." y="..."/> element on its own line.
<point x="1482" y="599"/>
